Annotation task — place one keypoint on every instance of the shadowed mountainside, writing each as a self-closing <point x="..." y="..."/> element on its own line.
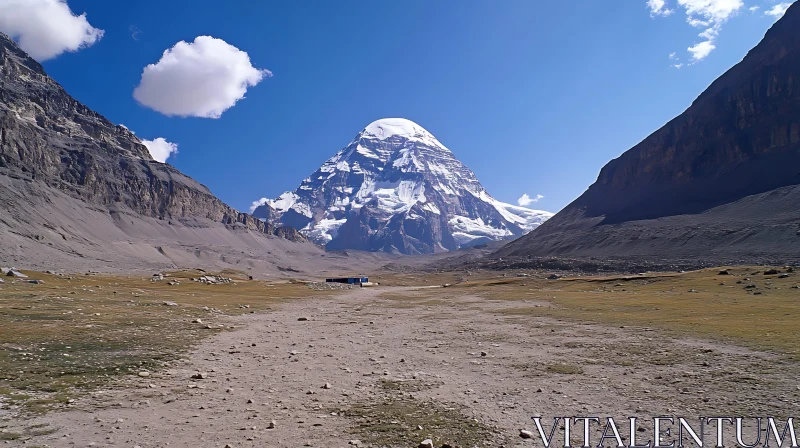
<point x="721" y="179"/>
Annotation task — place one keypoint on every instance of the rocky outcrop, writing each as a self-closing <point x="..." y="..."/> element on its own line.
<point x="737" y="142"/>
<point x="47" y="136"/>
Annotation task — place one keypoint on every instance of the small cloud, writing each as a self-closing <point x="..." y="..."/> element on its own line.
<point x="199" y="79"/>
<point x="707" y="14"/>
<point x="46" y="28"/>
<point x="657" y="8"/>
<point x="754" y="8"/>
<point x="257" y="204"/>
<point x="673" y="55"/>
<point x="702" y="50"/>
<point x="526" y="200"/>
<point x="678" y="66"/>
<point x="135" y="32"/>
<point x="778" y="10"/>
<point x="160" y="149"/>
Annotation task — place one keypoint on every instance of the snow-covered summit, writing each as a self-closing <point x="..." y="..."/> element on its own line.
<point x="387" y="128"/>
<point x="395" y="187"/>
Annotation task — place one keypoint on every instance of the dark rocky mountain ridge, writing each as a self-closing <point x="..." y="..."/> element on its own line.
<point x="50" y="137"/>
<point x="720" y="178"/>
<point x="75" y="189"/>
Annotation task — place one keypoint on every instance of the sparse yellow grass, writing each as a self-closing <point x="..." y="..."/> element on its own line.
<point x="75" y="333"/>
<point x="692" y="303"/>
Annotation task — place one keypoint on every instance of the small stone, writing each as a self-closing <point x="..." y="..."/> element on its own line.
<point x="167" y="303"/>
<point x="326" y="386"/>
<point x="484" y="354"/>
<point x="355" y="442"/>
<point x="271" y="424"/>
<point x="427" y="443"/>
<point x="525" y="434"/>
<point x="197" y="321"/>
<point x="144" y="374"/>
<point x="302" y="319"/>
<point x="200" y="376"/>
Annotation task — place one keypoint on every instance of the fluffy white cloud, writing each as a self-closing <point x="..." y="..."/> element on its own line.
<point x="160" y="149"/>
<point x="709" y="15"/>
<point x="199" y="79"/>
<point x="257" y="204"/>
<point x="701" y="50"/>
<point x="658" y="8"/>
<point x="526" y="200"/>
<point x="754" y="8"/>
<point x="778" y="10"/>
<point x="46" y="28"/>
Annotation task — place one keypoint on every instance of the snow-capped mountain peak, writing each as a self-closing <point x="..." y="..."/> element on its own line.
<point x="395" y="187"/>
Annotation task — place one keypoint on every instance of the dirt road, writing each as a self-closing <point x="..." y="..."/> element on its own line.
<point x="360" y="369"/>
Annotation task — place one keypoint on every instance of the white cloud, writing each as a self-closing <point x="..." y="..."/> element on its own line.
<point x="672" y="55"/>
<point x="257" y="204"/>
<point x="778" y="10"/>
<point x="707" y="14"/>
<point x="46" y="28"/>
<point x="754" y="8"/>
<point x="701" y="50"/>
<point x="657" y="8"/>
<point x="160" y="149"/>
<point x="526" y="200"/>
<point x="199" y="79"/>
<point x="678" y="66"/>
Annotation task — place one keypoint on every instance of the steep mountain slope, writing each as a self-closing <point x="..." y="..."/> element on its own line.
<point x="722" y="178"/>
<point x="61" y="163"/>
<point x="396" y="188"/>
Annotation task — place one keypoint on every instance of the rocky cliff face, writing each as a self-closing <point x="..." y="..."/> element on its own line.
<point x="740" y="138"/>
<point x="396" y="188"/>
<point x="48" y="136"/>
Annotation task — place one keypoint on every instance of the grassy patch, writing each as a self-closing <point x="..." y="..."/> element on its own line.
<point x="699" y="303"/>
<point x="74" y="334"/>
<point x="394" y="423"/>
<point x="407" y="385"/>
<point x="564" y="369"/>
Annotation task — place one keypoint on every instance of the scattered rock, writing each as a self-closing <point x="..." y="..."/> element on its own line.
<point x="36" y="282"/>
<point x="15" y="273"/>
<point x="525" y="434"/>
<point x="157" y="277"/>
<point x="326" y="386"/>
<point x="427" y="443"/>
<point x="553" y="277"/>
<point x="212" y="280"/>
<point x="271" y="424"/>
<point x="302" y="319"/>
<point x="197" y="321"/>
<point x="724" y="272"/>
<point x="168" y="303"/>
<point x="784" y="276"/>
<point x="200" y="376"/>
<point x="144" y="374"/>
<point x="772" y="272"/>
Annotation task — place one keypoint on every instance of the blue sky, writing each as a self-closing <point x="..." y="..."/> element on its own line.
<point x="534" y="96"/>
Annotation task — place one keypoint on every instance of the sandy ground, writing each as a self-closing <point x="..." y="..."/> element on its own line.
<point x="458" y="352"/>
